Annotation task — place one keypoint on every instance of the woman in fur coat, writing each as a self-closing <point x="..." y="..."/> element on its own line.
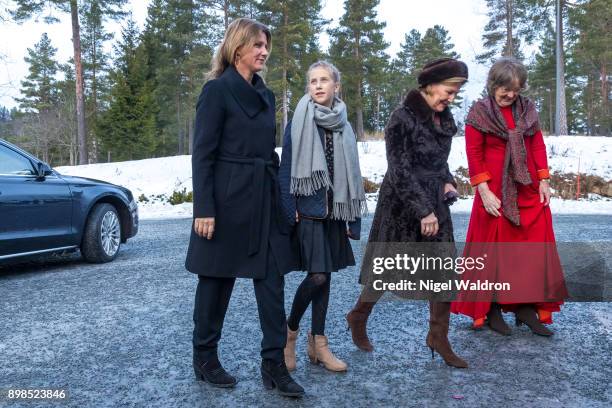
<point x="411" y="205"/>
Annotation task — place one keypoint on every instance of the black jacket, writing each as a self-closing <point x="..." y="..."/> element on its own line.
<point x="312" y="206"/>
<point x="235" y="171"/>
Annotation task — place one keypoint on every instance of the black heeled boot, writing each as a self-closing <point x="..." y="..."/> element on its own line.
<point x="496" y="321"/>
<point x="276" y="375"/>
<point x="527" y="314"/>
<point x="212" y="372"/>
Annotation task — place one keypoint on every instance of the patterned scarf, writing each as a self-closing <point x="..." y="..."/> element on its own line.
<point x="486" y="116"/>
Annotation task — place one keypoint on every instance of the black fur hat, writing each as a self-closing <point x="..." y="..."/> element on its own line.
<point x="442" y="69"/>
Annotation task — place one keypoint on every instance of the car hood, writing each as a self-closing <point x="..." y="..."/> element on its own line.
<point x="90" y="181"/>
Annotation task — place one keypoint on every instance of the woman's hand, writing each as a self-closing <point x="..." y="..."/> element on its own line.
<point x="297" y="216"/>
<point x="429" y="225"/>
<point x="449" y="187"/>
<point x="489" y="199"/>
<point x="544" y="192"/>
<point x="204" y="227"/>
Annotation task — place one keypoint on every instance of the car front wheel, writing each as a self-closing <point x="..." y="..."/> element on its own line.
<point x="102" y="236"/>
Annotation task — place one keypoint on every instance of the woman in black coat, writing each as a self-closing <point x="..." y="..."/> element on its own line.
<point x="416" y="190"/>
<point x="238" y="229"/>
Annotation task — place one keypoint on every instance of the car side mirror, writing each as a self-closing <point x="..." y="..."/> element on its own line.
<point x="43" y="170"/>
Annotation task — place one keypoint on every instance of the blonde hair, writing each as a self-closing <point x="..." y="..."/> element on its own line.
<point x="331" y="68"/>
<point x="449" y="81"/>
<point x="241" y="33"/>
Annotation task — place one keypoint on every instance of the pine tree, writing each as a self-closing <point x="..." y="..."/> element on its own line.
<point x="510" y="23"/>
<point x="178" y="39"/>
<point x="5" y="123"/>
<point x="231" y="9"/>
<point x="358" y="49"/>
<point x="295" y="25"/>
<point x="128" y="127"/>
<point x="593" y="54"/>
<point x="95" y="64"/>
<point x="39" y="86"/>
<point x="416" y="51"/>
<point x="27" y="9"/>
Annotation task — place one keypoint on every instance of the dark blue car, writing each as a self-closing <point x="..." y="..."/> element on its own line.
<point x="42" y="211"/>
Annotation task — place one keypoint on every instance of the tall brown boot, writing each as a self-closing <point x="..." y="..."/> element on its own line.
<point x="437" y="338"/>
<point x="357" y="320"/>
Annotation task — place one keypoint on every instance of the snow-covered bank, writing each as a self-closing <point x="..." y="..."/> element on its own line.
<point x="157" y="179"/>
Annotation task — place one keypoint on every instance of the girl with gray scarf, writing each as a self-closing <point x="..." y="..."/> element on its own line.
<point x="322" y="192"/>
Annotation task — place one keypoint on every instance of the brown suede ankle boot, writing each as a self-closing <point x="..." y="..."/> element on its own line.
<point x="437" y="338"/>
<point x="357" y="320"/>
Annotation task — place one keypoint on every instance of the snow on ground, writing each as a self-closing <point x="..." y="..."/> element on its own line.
<point x="157" y="179"/>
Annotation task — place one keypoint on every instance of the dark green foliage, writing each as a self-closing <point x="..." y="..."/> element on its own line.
<point x="416" y="51"/>
<point x="179" y="197"/>
<point x="39" y="86"/>
<point x="295" y="25"/>
<point x="358" y="49"/>
<point x="127" y="129"/>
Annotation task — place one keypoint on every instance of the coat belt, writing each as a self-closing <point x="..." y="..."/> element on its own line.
<point x="260" y="168"/>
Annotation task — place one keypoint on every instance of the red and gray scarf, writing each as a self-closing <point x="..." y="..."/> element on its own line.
<point x="486" y="116"/>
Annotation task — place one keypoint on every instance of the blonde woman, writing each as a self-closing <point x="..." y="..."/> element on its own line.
<point x="323" y="195"/>
<point x="238" y="230"/>
<point x="417" y="188"/>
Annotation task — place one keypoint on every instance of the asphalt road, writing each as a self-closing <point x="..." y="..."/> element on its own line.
<point x="119" y="334"/>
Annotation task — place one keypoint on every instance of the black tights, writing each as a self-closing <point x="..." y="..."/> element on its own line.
<point x="314" y="288"/>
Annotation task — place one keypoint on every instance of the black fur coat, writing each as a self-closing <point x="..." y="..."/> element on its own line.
<point x="413" y="187"/>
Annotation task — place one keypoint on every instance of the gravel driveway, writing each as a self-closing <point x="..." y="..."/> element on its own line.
<point x="119" y="334"/>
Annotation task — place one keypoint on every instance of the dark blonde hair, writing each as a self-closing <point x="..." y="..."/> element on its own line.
<point x="241" y="33"/>
<point x="331" y="68"/>
<point x="504" y="72"/>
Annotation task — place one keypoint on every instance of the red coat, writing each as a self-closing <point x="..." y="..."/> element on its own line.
<point x="485" y="153"/>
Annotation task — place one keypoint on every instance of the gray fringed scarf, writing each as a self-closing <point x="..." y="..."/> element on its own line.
<point x="308" y="166"/>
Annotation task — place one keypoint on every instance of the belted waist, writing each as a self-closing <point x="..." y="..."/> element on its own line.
<point x="260" y="168"/>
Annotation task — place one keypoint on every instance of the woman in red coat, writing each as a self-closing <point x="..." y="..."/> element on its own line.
<point x="508" y="166"/>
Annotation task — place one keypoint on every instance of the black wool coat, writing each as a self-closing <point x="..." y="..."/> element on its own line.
<point x="413" y="187"/>
<point x="235" y="180"/>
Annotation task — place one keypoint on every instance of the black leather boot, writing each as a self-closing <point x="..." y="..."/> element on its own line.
<point x="496" y="322"/>
<point x="213" y="373"/>
<point x="527" y="314"/>
<point x="276" y="375"/>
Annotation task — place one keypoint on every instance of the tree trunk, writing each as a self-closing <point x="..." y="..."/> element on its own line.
<point x="358" y="100"/>
<point x="190" y="130"/>
<point x="551" y="116"/>
<point x="94" y="96"/>
<point x="605" y="102"/>
<point x="226" y="13"/>
<point x="509" y="52"/>
<point x="179" y="126"/>
<point x="560" y="110"/>
<point x="80" y="92"/>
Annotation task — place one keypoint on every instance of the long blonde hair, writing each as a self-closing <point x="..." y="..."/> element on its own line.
<point x="242" y="32"/>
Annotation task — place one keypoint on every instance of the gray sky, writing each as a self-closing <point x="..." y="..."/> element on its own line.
<point x="464" y="19"/>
